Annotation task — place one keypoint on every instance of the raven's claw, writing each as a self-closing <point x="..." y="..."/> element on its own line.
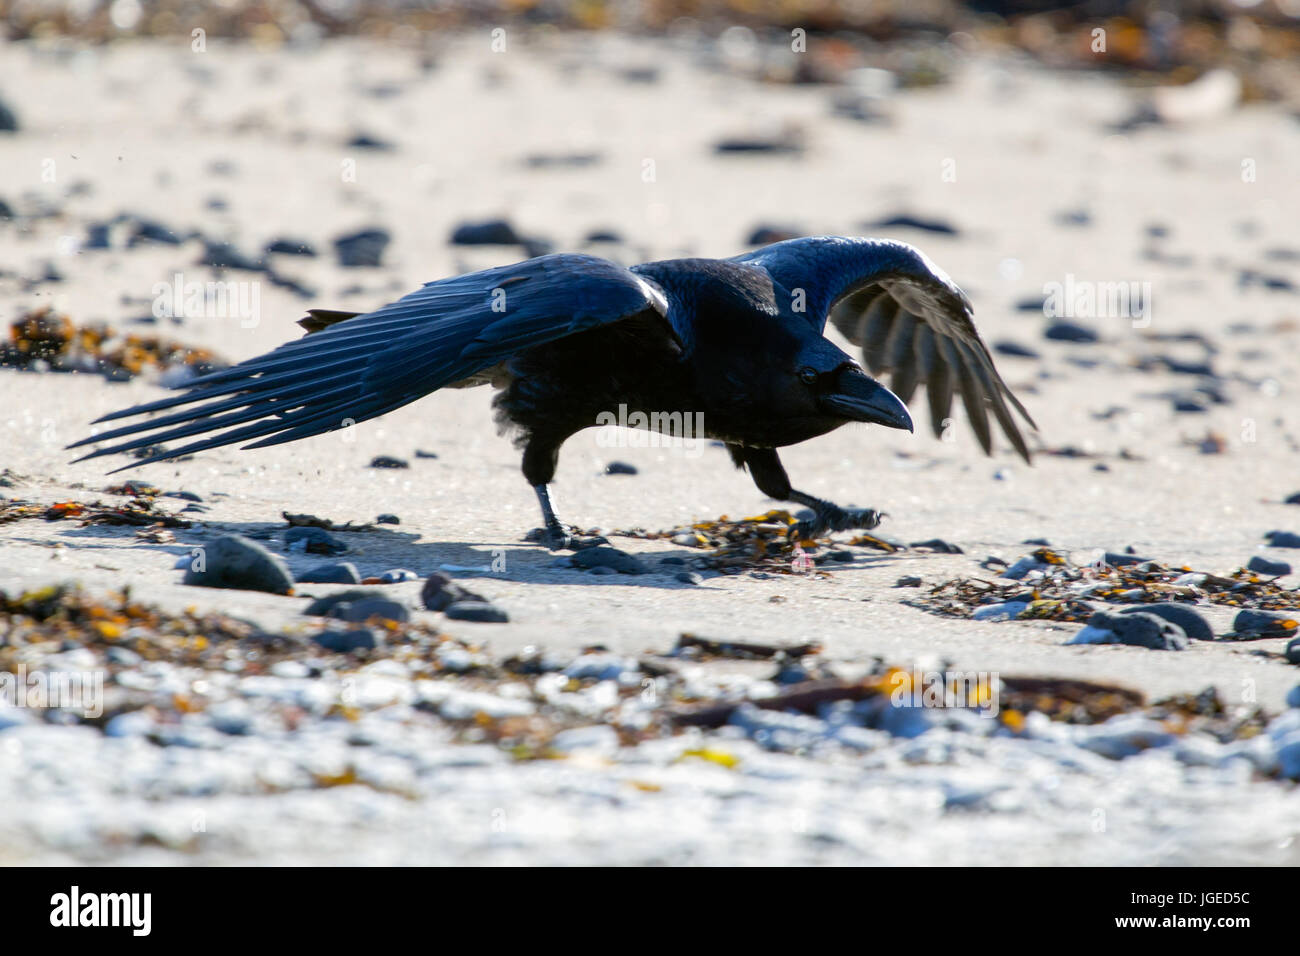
<point x="834" y="518"/>
<point x="557" y="539"/>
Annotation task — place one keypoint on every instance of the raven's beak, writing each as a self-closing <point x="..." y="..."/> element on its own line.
<point x="860" y="398"/>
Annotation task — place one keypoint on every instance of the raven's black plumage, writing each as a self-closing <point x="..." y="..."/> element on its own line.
<point x="568" y="337"/>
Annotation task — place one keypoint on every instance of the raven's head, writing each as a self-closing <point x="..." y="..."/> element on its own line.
<point x="834" y="385"/>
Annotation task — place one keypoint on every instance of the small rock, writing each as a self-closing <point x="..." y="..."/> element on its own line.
<point x="388" y="461"/>
<point x="672" y="559"/>
<point x="440" y="591"/>
<point x="491" y="232"/>
<point x="363" y="610"/>
<point x="322" y="606"/>
<point x="620" y="468"/>
<point x="397" y="576"/>
<point x="312" y="541"/>
<point x="183" y="495"/>
<point x="1062" y="331"/>
<point x="289" y="247"/>
<point x="388" y="519"/>
<point x="233" y="561"/>
<point x="365" y="248"/>
<point x="1265" y="623"/>
<point x="608" y="557"/>
<point x="1292" y="499"/>
<point x="479" y="611"/>
<point x="1014" y="349"/>
<point x="937" y="544"/>
<point x="688" y="577"/>
<point x="344" y="573"/>
<point x="1137" y="629"/>
<point x="345" y="642"/>
<point x="908" y="581"/>
<point x="1193" y="624"/>
<point x="1263" y="565"/>
<point x="601" y="569"/>
<point x="1293" y="652"/>
<point x="1282" y="539"/>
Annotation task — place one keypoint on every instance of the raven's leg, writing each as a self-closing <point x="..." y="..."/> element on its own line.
<point x="769" y="475"/>
<point x="540" y="459"/>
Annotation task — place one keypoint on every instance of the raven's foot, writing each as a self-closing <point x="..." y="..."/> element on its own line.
<point x="829" y="517"/>
<point x="558" y="539"/>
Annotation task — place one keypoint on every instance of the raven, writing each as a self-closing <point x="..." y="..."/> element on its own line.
<point x="736" y="343"/>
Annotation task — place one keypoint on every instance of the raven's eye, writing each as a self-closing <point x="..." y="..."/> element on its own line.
<point x="807" y="376"/>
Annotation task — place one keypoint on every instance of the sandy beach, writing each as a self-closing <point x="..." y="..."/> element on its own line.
<point x="1035" y="180"/>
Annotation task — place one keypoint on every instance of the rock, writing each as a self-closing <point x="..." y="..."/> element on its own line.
<point x="1293" y="695"/>
<point x="1265" y="623"/>
<point x="620" y="468"/>
<point x="388" y="519"/>
<point x="908" y="581"/>
<point x="601" y="569"/>
<point x="440" y="591"/>
<point x="672" y="559"/>
<point x="183" y="495"/>
<point x="233" y="561"/>
<point x="8" y="119"/>
<point x="1263" y="565"/>
<point x="312" y="541"/>
<point x="1293" y="652"/>
<point x="1014" y="349"/>
<point x="1118" y="560"/>
<point x="388" y="461"/>
<point x="345" y="642"/>
<point x="479" y="611"/>
<point x="322" y="606"/>
<point x="1190" y="620"/>
<point x="397" y="576"/>
<point x="224" y="255"/>
<point x="1292" y="499"/>
<point x="421" y="453"/>
<point x="938" y="545"/>
<point x="289" y="247"/>
<point x="1007" y="611"/>
<point x="688" y="577"/>
<point x="368" y="607"/>
<point x="607" y="557"/>
<point x="343" y="573"/>
<point x="490" y="232"/>
<point x="366" y="141"/>
<point x="1138" y="629"/>
<point x="1283" y="539"/>
<point x="365" y="248"/>
<point x="1063" y="331"/>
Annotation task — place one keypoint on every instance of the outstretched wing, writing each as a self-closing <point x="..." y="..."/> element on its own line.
<point x="910" y="319"/>
<point x="357" y="368"/>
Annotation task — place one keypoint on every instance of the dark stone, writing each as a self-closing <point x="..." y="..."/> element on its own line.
<point x="1116" y="560"/>
<point x="491" y="232"/>
<point x="1192" y="623"/>
<point x="388" y="461"/>
<point x="421" y="453"/>
<point x="620" y="468"/>
<point x="183" y="495"/>
<point x="344" y="573"/>
<point x="440" y="592"/>
<point x="1265" y="623"/>
<point x="388" y="519"/>
<point x="908" y="581"/>
<point x="366" y="141"/>
<point x="345" y="642"/>
<point x="937" y="544"/>
<point x="688" y="577"/>
<point x="1282" y="539"/>
<point x="314" y="541"/>
<point x="479" y="611"/>
<point x="232" y="561"/>
<point x="672" y="559"/>
<point x="607" y="557"/>
<point x="1141" y="630"/>
<point x="1063" y="331"/>
<point x="366" y="608"/>
<point x="1263" y="565"/>
<point x="1014" y="349"/>
<point x="322" y="606"/>
<point x="8" y="119"/>
<point x="1293" y="652"/>
<point x="223" y="255"/>
<point x="289" y="247"/>
<point x="364" y="248"/>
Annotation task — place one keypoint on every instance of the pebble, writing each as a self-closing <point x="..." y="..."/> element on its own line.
<point x="1263" y="565"/>
<point x="440" y="592"/>
<point x="908" y="581"/>
<point x="479" y="611"/>
<point x="343" y="573"/>
<point x="1063" y="331"/>
<point x="183" y="495"/>
<point x="365" y="248"/>
<point x="490" y="232"/>
<point x="313" y="541"/>
<point x="1293" y="695"/>
<point x="388" y="461"/>
<point x="289" y="247"/>
<point x="688" y="577"/>
<point x="233" y="561"/>
<point x="611" y="558"/>
<point x="1193" y="624"/>
<point x="1293" y="651"/>
<point x="1264" y="623"/>
<point x="322" y="606"/>
<point x="388" y="519"/>
<point x="366" y="608"/>
<point x="1015" y="350"/>
<point x="344" y="642"/>
<point x="1283" y="539"/>
<point x="620" y="468"/>
<point x="672" y="559"/>
<point x="397" y="576"/>
<point x="1137" y="629"/>
<point x="1292" y="499"/>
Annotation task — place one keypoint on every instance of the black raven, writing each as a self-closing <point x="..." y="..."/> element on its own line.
<point x="564" y="338"/>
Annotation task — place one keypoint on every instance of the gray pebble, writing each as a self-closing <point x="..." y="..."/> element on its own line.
<point x="322" y="606"/>
<point x="388" y="519"/>
<point x="1193" y="624"/>
<point x="358" y="611"/>
<point x="608" y="557"/>
<point x="313" y="541"/>
<point x="1293" y="652"/>
<point x="1263" y="565"/>
<point x="1141" y="630"/>
<point x="232" y="561"/>
<point x="688" y="577"/>
<point x="440" y="592"/>
<point x="344" y="642"/>
<point x="479" y="611"/>
<point x="1263" y="623"/>
<point x="343" y="573"/>
<point x="620" y="468"/>
<point x="1283" y="539"/>
<point x="601" y="569"/>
